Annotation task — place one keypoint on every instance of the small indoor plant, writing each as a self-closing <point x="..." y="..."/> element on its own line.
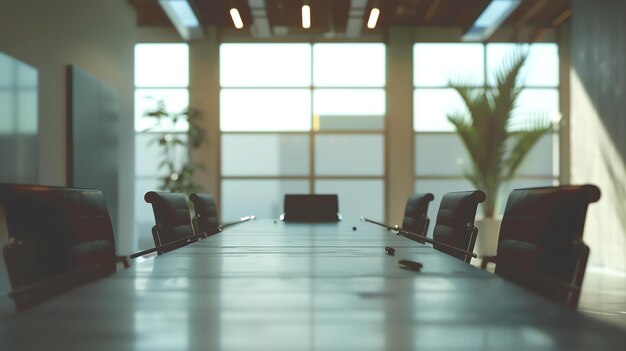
<point x="180" y="173"/>
<point x="496" y="147"/>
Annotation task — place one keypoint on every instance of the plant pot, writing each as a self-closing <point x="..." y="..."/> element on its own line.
<point x="488" y="233"/>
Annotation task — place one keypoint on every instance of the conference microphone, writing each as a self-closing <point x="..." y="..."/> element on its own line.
<point x="417" y="237"/>
<point x="190" y="238"/>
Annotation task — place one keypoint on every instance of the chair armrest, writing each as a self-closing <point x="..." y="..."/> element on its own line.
<point x="169" y="246"/>
<point x="486" y="260"/>
<point x="123" y="260"/>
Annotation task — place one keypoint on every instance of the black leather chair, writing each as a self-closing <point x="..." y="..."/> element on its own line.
<point x="416" y="213"/>
<point x="311" y="208"/>
<point x="59" y="238"/>
<point x="540" y="245"/>
<point x="206" y="219"/>
<point x="455" y="222"/>
<point x="171" y="217"/>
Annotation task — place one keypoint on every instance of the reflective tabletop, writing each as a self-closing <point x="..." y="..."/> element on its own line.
<point x="269" y="285"/>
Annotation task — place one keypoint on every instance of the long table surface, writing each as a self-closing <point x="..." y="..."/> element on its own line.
<point x="269" y="285"/>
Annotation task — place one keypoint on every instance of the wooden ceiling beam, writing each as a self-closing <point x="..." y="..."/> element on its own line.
<point x="534" y="9"/>
<point x="562" y="17"/>
<point x="432" y="10"/>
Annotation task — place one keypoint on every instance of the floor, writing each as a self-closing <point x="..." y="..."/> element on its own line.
<point x="604" y="295"/>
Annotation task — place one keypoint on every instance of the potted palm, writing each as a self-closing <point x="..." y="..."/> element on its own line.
<point x="180" y="173"/>
<point x="495" y="145"/>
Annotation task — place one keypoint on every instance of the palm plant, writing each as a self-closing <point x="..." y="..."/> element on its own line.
<point x="496" y="146"/>
<point x="180" y="173"/>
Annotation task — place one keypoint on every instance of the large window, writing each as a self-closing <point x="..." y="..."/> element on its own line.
<point x="161" y="75"/>
<point x="302" y="118"/>
<point x="440" y="157"/>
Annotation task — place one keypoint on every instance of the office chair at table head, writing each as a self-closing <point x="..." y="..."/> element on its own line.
<point x="416" y="213"/>
<point x="206" y="219"/>
<point x="171" y="217"/>
<point x="455" y="222"/>
<point x="59" y="238"/>
<point x="540" y="245"/>
<point x="311" y="208"/>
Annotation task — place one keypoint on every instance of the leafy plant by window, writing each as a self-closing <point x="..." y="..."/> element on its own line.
<point x="496" y="146"/>
<point x="180" y="173"/>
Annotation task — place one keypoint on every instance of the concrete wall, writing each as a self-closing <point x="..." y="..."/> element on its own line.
<point x="598" y="122"/>
<point x="99" y="37"/>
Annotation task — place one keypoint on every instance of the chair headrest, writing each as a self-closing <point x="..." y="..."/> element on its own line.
<point x="311" y="208"/>
<point x="170" y="209"/>
<point x="204" y="204"/>
<point x="547" y="215"/>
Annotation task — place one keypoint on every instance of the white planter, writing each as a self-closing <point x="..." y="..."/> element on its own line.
<point x="488" y="232"/>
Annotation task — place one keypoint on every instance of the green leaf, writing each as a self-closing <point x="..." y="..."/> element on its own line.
<point x="484" y="127"/>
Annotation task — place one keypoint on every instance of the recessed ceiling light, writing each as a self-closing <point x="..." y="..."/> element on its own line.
<point x="371" y="22"/>
<point x="236" y="17"/>
<point x="306" y="16"/>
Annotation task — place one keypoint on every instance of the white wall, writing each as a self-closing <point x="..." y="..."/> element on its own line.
<point x="598" y="123"/>
<point x="99" y="37"/>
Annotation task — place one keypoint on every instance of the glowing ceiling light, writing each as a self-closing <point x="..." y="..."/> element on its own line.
<point x="234" y="14"/>
<point x="371" y="22"/>
<point x="306" y="16"/>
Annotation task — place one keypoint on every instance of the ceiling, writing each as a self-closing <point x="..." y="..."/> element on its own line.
<point x="343" y="18"/>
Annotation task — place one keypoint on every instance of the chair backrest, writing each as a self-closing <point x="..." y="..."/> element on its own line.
<point x="540" y="240"/>
<point x="206" y="219"/>
<point x="416" y="213"/>
<point x="455" y="222"/>
<point x="54" y="231"/>
<point x="171" y="217"/>
<point x="311" y="208"/>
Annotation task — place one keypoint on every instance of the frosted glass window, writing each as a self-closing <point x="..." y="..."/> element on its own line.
<point x="262" y="198"/>
<point x="536" y="103"/>
<point x="7" y="112"/>
<point x="440" y="154"/>
<point x="349" y="65"/>
<point x="27" y="111"/>
<point x="434" y="65"/>
<point x="7" y="67"/>
<point x="431" y="107"/>
<point x="265" y="65"/>
<point x="349" y="155"/>
<point x="265" y="155"/>
<point x="439" y="187"/>
<point x="349" y="109"/>
<point x="542" y="159"/>
<point x="265" y="110"/>
<point x="18" y="121"/>
<point x="433" y="159"/>
<point x="13" y="74"/>
<point x="344" y="102"/>
<point x="149" y="154"/>
<point x="161" y="65"/>
<point x="357" y="198"/>
<point x="541" y="67"/>
<point x="176" y="100"/>
<point x="26" y="77"/>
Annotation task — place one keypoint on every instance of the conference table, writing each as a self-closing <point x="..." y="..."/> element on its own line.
<point x="270" y="285"/>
